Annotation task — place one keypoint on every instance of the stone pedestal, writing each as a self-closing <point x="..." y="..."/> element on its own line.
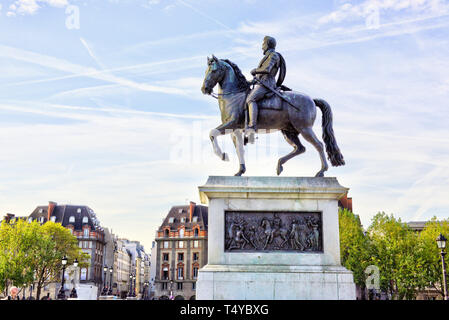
<point x="280" y="269"/>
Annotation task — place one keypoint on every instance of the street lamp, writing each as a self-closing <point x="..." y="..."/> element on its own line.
<point x="110" y="281"/>
<point x="105" y="269"/>
<point x="171" y="290"/>
<point x="31" y="292"/>
<point x="130" y="285"/>
<point x="61" y="295"/>
<point x="74" y="294"/>
<point x="441" y="243"/>
<point x="134" y="283"/>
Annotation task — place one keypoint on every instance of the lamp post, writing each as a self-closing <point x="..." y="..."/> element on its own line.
<point x="171" y="290"/>
<point x="61" y="295"/>
<point x="130" y="285"/>
<point x="74" y="294"/>
<point x="134" y="285"/>
<point x="110" y="281"/>
<point x="105" y="269"/>
<point x="441" y="243"/>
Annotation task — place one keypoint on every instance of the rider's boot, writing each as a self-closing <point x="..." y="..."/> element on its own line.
<point x="252" y="123"/>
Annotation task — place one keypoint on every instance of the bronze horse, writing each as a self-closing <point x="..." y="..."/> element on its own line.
<point x="293" y="118"/>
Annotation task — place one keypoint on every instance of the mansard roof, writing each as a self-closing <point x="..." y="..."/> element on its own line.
<point x="62" y="214"/>
<point x="179" y="212"/>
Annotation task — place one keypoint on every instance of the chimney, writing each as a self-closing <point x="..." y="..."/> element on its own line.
<point x="8" y="217"/>
<point x="192" y="208"/>
<point x="51" y="207"/>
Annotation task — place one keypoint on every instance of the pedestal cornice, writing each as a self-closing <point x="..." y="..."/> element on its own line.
<point x="271" y="188"/>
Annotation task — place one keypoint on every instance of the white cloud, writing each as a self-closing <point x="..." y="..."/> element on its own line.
<point x="28" y="7"/>
<point x="348" y="11"/>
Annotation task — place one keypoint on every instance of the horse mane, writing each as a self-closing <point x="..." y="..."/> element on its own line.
<point x="242" y="83"/>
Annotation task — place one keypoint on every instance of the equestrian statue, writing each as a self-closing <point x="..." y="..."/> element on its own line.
<point x="268" y="106"/>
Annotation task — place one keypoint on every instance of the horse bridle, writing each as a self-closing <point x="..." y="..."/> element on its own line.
<point x="217" y="95"/>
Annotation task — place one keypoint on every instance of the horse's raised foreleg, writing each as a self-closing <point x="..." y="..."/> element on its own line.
<point x="237" y="138"/>
<point x="222" y="129"/>
<point x="292" y="138"/>
<point x="310" y="136"/>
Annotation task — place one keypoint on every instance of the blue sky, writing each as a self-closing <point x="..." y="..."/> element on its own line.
<point x="106" y="110"/>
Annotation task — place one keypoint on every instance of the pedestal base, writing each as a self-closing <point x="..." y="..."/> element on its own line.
<point x="273" y="238"/>
<point x="250" y="282"/>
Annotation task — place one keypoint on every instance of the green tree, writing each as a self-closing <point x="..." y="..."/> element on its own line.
<point x="429" y="254"/>
<point x="354" y="245"/>
<point x="32" y="253"/>
<point x="55" y="243"/>
<point x="16" y="240"/>
<point x="393" y="251"/>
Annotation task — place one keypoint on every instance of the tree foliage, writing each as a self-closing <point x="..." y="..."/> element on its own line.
<point x="429" y="254"/>
<point x="393" y="249"/>
<point x="354" y="245"/>
<point x="32" y="253"/>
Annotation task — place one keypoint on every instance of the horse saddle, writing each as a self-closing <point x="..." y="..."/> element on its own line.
<point x="273" y="101"/>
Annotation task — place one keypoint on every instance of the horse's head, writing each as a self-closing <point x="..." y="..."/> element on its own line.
<point x="214" y="73"/>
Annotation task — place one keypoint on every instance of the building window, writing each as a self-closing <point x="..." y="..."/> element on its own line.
<point x="166" y="233"/>
<point x="171" y="220"/>
<point x="85" y="219"/>
<point x="195" y="233"/>
<point x="30" y="219"/>
<point x="193" y="285"/>
<point x="196" y="244"/>
<point x="41" y="220"/>
<point x="179" y="285"/>
<point x="166" y="244"/>
<point x="180" y="273"/>
<point x="165" y="273"/>
<point x="181" y="244"/>
<point x="165" y="256"/>
<point x="164" y="285"/>
<point x="195" y="272"/>
<point x="86" y="233"/>
<point x="72" y="219"/>
<point x="180" y="256"/>
<point x="195" y="219"/>
<point x="78" y="210"/>
<point x="53" y="219"/>
<point x="83" y="274"/>
<point x="181" y="233"/>
<point x="183" y="220"/>
<point x="195" y="256"/>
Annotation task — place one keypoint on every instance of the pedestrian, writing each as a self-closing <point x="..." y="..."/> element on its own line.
<point x="13" y="294"/>
<point x="47" y="297"/>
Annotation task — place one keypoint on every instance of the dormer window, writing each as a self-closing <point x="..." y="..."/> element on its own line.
<point x="86" y="233"/>
<point x="195" y="232"/>
<point x="53" y="219"/>
<point x="181" y="233"/>
<point x="171" y="220"/>
<point x="72" y="219"/>
<point x="85" y="219"/>
<point x="78" y="210"/>
<point x="180" y="211"/>
<point x="166" y="233"/>
<point x="183" y="219"/>
<point x="195" y="219"/>
<point x="41" y="210"/>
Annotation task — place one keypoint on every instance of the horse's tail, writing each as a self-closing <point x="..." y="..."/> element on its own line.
<point x="333" y="152"/>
